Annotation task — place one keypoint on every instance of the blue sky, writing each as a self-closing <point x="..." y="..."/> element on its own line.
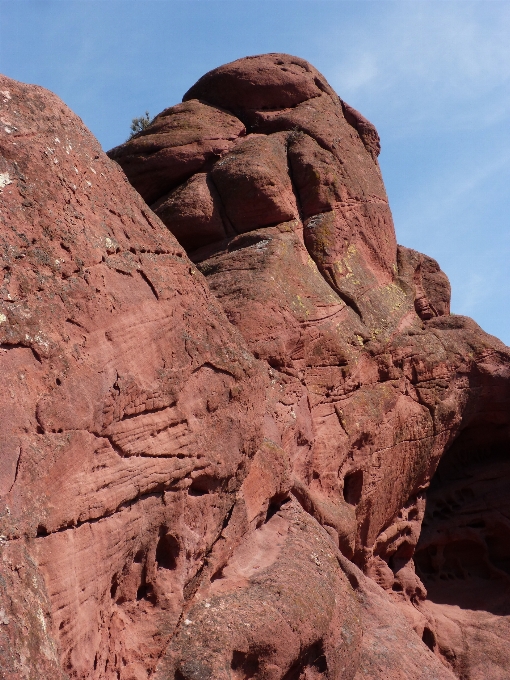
<point x="432" y="75"/>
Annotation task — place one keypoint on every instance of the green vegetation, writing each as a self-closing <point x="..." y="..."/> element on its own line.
<point x="139" y="124"/>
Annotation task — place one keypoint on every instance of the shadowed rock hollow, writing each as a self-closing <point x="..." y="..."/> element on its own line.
<point x="243" y="437"/>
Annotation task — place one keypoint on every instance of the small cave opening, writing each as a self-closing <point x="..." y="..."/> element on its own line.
<point x="41" y="531"/>
<point x="167" y="550"/>
<point x="312" y="659"/>
<point x="353" y="487"/>
<point x="114" y="586"/>
<point x="244" y="664"/>
<point x="203" y="485"/>
<point x="275" y="505"/>
<point x="138" y="558"/>
<point x="146" y="592"/>
<point x="463" y="554"/>
<point x="429" y="638"/>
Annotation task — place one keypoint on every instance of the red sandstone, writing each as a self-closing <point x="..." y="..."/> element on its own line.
<point x="274" y="454"/>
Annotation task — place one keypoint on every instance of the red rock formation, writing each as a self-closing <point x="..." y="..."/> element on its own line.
<point x="130" y="412"/>
<point x="196" y="471"/>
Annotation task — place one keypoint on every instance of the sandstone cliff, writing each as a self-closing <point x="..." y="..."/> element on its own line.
<point x="242" y="435"/>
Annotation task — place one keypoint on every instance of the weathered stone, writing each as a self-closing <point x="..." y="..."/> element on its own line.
<point x="131" y="410"/>
<point x="180" y="141"/>
<point x="239" y="487"/>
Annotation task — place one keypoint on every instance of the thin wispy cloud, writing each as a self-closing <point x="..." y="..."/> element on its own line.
<point x="429" y="62"/>
<point x="437" y="201"/>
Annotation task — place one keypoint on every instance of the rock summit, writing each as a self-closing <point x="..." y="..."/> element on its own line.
<point x="242" y="435"/>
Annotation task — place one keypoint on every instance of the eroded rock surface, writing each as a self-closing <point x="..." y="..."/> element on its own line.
<point x="229" y="469"/>
<point x="130" y="410"/>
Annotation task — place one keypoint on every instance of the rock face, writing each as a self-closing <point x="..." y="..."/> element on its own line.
<point x="243" y="437"/>
<point x="130" y="412"/>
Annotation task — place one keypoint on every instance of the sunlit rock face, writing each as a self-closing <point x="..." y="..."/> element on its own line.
<point x="243" y="437"/>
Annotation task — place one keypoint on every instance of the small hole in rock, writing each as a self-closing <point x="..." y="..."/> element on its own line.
<point x="167" y="550"/>
<point x="196" y="492"/>
<point x="138" y="558"/>
<point x="315" y="658"/>
<point x="320" y="663"/>
<point x="353" y="487"/>
<point x="247" y="663"/>
<point x="274" y="506"/>
<point x="353" y="581"/>
<point x="428" y="638"/>
<point x="477" y="524"/>
<point x="202" y="485"/>
<point x="114" y="587"/>
<point x="217" y="574"/>
<point x="146" y="592"/>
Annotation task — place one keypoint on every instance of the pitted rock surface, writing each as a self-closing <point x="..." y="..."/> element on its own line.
<point x="274" y="454"/>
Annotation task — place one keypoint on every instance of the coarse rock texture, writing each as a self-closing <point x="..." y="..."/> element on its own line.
<point x="130" y="412"/>
<point x="242" y="435"/>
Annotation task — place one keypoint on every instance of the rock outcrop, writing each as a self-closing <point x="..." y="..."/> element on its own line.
<point x="243" y="437"/>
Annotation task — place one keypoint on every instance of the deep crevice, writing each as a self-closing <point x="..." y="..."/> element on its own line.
<point x="349" y="301"/>
<point x="230" y="230"/>
<point x="191" y="586"/>
<point x="149" y="283"/>
<point x="429" y="638"/>
<point x="42" y="530"/>
<point x="16" y="470"/>
<point x="20" y="345"/>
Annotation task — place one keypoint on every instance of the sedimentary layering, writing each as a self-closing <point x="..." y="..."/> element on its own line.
<point x="242" y="435"/>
